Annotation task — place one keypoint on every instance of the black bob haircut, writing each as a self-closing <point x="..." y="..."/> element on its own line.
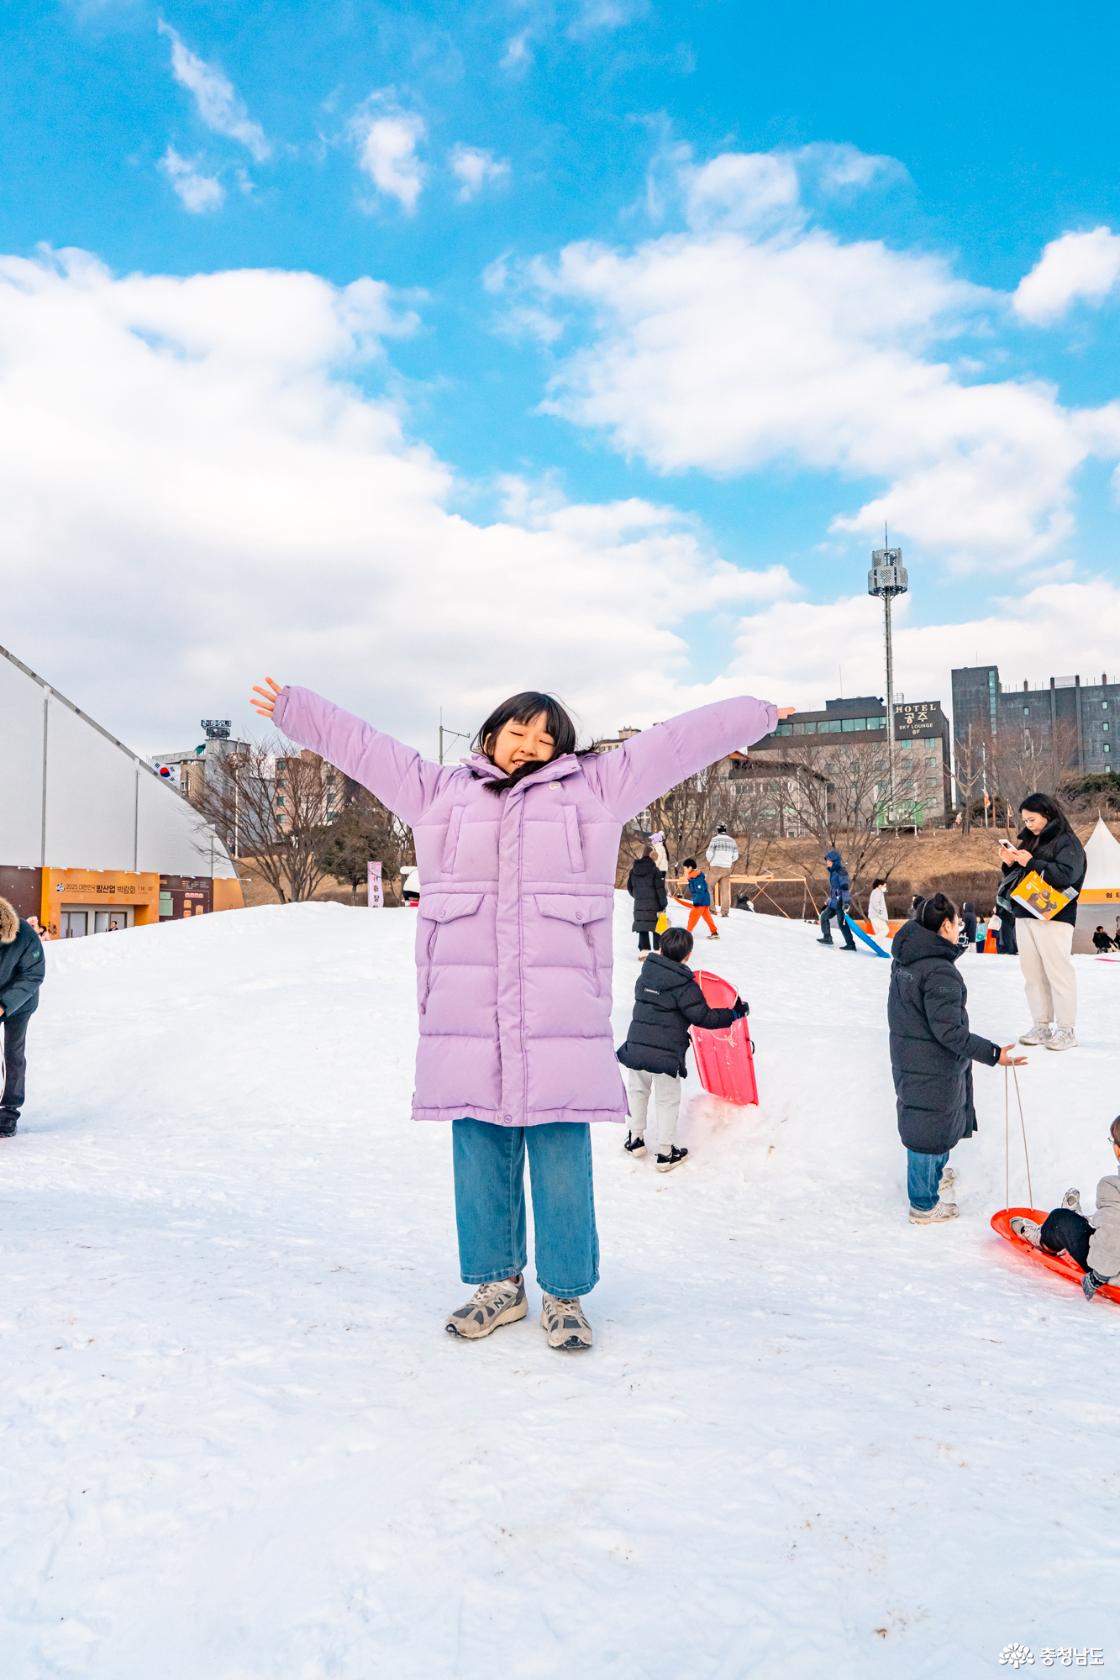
<point x="523" y="708"/>
<point x="676" y="944"/>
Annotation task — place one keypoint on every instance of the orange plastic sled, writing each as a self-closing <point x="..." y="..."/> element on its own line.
<point x="724" y="1058"/>
<point x="1060" y="1263"/>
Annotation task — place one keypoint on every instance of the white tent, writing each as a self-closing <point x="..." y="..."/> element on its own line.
<point x="1099" y="903"/>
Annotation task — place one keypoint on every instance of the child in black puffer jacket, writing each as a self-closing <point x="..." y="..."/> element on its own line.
<point x="667" y="1001"/>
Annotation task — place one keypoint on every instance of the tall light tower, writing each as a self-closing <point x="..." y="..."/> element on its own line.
<point x="887" y="578"/>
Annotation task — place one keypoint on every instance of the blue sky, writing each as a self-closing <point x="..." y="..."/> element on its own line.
<point x="196" y="139"/>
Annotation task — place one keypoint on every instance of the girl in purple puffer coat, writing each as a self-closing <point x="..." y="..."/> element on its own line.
<point x="517" y="848"/>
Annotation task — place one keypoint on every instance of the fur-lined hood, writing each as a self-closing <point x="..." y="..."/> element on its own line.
<point x="9" y="922"/>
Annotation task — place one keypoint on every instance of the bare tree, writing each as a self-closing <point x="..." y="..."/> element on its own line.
<point x="972" y="755"/>
<point x="837" y="795"/>
<point x="273" y="809"/>
<point x="364" y="829"/>
<point x="689" y="814"/>
<point x="1028" y="760"/>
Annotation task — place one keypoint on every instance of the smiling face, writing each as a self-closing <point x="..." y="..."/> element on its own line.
<point x="522" y="743"/>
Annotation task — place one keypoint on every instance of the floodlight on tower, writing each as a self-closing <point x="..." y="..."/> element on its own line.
<point x="888" y="579"/>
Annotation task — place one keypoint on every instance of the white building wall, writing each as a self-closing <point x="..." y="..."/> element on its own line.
<point x="173" y="838"/>
<point x="91" y="796"/>
<point x="105" y="808"/>
<point x="21" y="767"/>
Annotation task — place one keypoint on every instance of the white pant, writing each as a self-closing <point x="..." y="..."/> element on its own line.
<point x="881" y="929"/>
<point x="666" y="1091"/>
<point x="1044" y="957"/>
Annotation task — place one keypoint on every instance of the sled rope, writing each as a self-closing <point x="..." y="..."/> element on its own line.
<point x="1007" y="1137"/>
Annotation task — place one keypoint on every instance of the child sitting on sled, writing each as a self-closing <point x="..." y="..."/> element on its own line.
<point x="667" y="1001"/>
<point x="1093" y="1240"/>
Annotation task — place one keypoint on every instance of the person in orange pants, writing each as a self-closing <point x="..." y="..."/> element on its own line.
<point x="701" y="898"/>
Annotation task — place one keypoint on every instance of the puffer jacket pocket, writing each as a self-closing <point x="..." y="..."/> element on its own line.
<point x="436" y="908"/>
<point x="580" y="912"/>
<point x="575" y="839"/>
<point x="451" y="840"/>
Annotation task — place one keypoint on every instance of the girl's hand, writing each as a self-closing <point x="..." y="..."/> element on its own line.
<point x="1010" y="854"/>
<point x="785" y="711"/>
<point x="1006" y="1059"/>
<point x="267" y="698"/>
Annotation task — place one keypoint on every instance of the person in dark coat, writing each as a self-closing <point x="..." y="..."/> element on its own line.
<point x="1048" y="845"/>
<point x="1101" y="940"/>
<point x="667" y="1001"/>
<point x="968" y="925"/>
<point x="932" y="1051"/>
<point x="839" y="898"/>
<point x="21" y="974"/>
<point x="646" y="886"/>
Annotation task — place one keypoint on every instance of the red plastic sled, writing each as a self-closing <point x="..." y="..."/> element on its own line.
<point x="1060" y="1263"/>
<point x="724" y="1058"/>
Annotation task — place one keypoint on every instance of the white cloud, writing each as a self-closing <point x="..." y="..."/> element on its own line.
<point x="760" y="192"/>
<point x="197" y="192"/>
<point x="197" y="491"/>
<point x="386" y="138"/>
<point x="218" y="103"/>
<point x="518" y="54"/>
<point x="1078" y="265"/>
<point x="591" y="15"/>
<point x="579" y="20"/>
<point x="742" y="190"/>
<point x="837" y="167"/>
<point x="1048" y="630"/>
<point x="475" y="168"/>
<point x="756" y="340"/>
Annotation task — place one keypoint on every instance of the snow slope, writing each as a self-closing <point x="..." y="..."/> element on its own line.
<point x="811" y="1441"/>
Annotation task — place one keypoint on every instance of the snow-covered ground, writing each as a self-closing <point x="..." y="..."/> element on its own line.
<point x="811" y="1440"/>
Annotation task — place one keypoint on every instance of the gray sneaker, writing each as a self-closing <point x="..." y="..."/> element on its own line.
<point x="1029" y="1229"/>
<point x="491" y="1305"/>
<point x="1072" y="1200"/>
<point x="1039" y="1034"/>
<point x="936" y="1215"/>
<point x="565" y="1323"/>
<point x="1062" y="1038"/>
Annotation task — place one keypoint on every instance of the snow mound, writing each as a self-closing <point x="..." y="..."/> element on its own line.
<point x="811" y="1441"/>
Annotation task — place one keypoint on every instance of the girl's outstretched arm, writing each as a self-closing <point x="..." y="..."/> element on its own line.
<point x="394" y="773"/>
<point x="631" y="776"/>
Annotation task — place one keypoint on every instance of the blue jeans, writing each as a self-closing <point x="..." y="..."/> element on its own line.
<point x="490" y="1203"/>
<point x="923" y="1175"/>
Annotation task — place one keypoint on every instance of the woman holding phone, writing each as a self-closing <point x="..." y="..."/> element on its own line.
<point x="1048" y="845"/>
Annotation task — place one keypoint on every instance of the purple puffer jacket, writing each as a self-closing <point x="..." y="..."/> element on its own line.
<point x="513" y="942"/>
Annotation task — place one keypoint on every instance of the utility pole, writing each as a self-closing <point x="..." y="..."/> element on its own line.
<point x="451" y="734"/>
<point x="887" y="579"/>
